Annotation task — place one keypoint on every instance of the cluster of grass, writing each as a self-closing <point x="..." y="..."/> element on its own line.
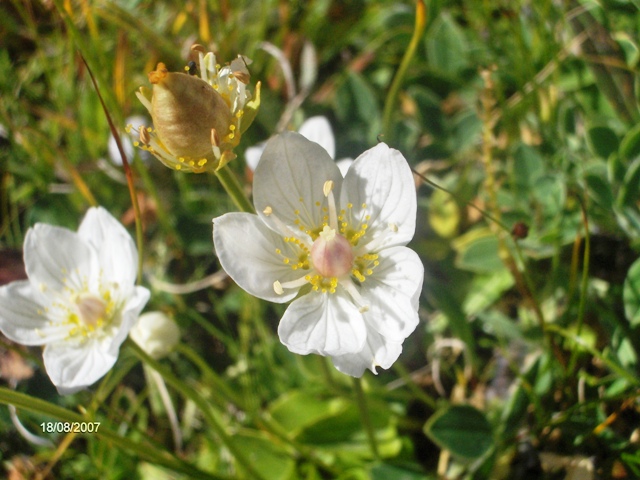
<point x="522" y="119"/>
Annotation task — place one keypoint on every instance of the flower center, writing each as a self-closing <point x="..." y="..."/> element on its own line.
<point x="89" y="313"/>
<point x="331" y="254"/>
<point x="91" y="309"/>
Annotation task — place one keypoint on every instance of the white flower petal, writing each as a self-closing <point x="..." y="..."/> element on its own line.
<point x="56" y="258"/>
<point x="323" y="323"/>
<point x="381" y="178"/>
<point x="129" y="316"/>
<point x="252" y="155"/>
<point x="290" y="178"/>
<point x="392" y="293"/>
<point x="344" y="164"/>
<point x="377" y="352"/>
<point x="318" y="129"/>
<point x="22" y="316"/>
<point x="117" y="252"/>
<point x="246" y="248"/>
<point x="74" y="367"/>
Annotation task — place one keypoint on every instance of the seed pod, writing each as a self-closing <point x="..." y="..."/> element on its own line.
<point x="185" y="109"/>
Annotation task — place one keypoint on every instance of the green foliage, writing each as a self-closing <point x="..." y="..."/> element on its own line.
<point x="525" y="111"/>
<point x="461" y="429"/>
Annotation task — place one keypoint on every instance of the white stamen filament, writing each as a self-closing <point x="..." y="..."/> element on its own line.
<point x="351" y="289"/>
<point x="327" y="189"/>
<point x="279" y="287"/>
<point x="282" y="228"/>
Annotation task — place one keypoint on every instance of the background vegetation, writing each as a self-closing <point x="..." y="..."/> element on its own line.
<point x="526" y="362"/>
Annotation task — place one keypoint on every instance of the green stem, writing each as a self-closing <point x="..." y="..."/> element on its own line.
<point x="233" y="187"/>
<point x="201" y="403"/>
<point x="390" y="103"/>
<point x="584" y="284"/>
<point x="614" y="367"/>
<point x="210" y="374"/>
<point x="366" y="417"/>
<point x="408" y="381"/>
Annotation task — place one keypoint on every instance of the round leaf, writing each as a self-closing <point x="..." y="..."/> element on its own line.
<point x="631" y="294"/>
<point x="461" y="429"/>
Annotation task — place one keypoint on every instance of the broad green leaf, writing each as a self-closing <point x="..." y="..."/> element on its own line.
<point x="485" y="290"/>
<point x="343" y="432"/>
<point x="384" y="471"/>
<point x="630" y="145"/>
<point x="263" y="453"/>
<point x="461" y="429"/>
<point x="528" y="166"/>
<point x="503" y="327"/>
<point x="630" y="189"/>
<point x="631" y="294"/>
<point x="446" y="46"/>
<point x="602" y="140"/>
<point x="551" y="192"/>
<point x="364" y="98"/>
<point x="478" y="254"/>
<point x="297" y="409"/>
<point x="599" y="190"/>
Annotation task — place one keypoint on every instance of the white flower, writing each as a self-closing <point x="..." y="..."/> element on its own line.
<point x="156" y="333"/>
<point x="317" y="129"/>
<point x="336" y="244"/>
<point x="80" y="300"/>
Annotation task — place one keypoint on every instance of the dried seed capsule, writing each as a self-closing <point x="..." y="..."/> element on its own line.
<point x="184" y="110"/>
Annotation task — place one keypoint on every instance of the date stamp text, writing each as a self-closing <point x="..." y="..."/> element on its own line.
<point x="70" y="427"/>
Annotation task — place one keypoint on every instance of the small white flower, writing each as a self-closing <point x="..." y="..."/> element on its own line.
<point x="80" y="300"/>
<point x="317" y="129"/>
<point x="337" y="244"/>
<point x="156" y="333"/>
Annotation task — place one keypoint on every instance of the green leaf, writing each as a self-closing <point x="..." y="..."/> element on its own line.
<point x="630" y="145"/>
<point x="446" y="46"/>
<point x="528" y="166"/>
<point x="364" y="98"/>
<point x="630" y="189"/>
<point x="551" y="193"/>
<point x="274" y="464"/>
<point x="599" y="190"/>
<point x="486" y="290"/>
<point x="297" y="409"/>
<point x="631" y="294"/>
<point x="384" y="471"/>
<point x="343" y="433"/>
<point x="478" y="252"/>
<point x="602" y="140"/>
<point x="461" y="429"/>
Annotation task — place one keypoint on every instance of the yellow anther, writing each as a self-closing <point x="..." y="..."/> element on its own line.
<point x="327" y="187"/>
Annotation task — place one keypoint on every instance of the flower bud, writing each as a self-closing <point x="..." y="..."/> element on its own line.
<point x="156" y="334"/>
